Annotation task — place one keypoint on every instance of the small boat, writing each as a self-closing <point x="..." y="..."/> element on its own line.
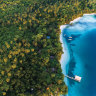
<point x="69" y="39"/>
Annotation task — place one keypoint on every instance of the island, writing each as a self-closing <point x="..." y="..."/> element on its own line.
<point x="30" y="47"/>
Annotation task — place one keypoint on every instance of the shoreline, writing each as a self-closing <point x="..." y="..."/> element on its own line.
<point x="78" y="18"/>
<point x="65" y="54"/>
<point x="65" y="57"/>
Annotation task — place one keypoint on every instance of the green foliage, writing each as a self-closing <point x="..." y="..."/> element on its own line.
<point x="29" y="61"/>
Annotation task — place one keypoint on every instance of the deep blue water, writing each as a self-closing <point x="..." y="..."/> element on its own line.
<point x="82" y="50"/>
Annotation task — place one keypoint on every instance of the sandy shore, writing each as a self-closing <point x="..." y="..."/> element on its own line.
<point x="75" y="20"/>
<point x="65" y="56"/>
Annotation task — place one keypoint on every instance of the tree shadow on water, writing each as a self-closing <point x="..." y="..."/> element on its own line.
<point x="72" y="65"/>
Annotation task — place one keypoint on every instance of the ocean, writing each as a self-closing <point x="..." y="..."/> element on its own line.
<point x="79" y="45"/>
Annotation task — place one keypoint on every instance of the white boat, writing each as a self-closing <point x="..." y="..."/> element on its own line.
<point x="70" y="37"/>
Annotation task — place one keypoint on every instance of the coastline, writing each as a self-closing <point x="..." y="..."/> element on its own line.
<point x="66" y="55"/>
<point x="75" y="20"/>
<point x="78" y="18"/>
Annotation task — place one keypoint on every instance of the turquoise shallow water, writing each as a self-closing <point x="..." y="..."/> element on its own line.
<point x="80" y="38"/>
